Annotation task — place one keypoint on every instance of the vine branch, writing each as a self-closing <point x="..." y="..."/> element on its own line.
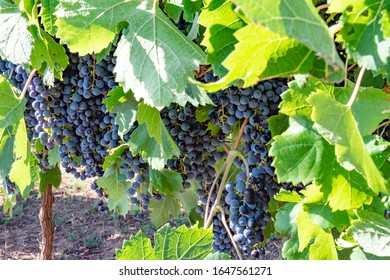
<point x="357" y="86"/>
<point x="23" y="94"/>
<point x="224" y="222"/>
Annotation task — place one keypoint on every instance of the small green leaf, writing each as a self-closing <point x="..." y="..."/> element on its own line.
<point x="11" y="108"/>
<point x="290" y="249"/>
<point x="174" y="9"/>
<point x="336" y="123"/>
<point x="122" y="206"/>
<point x="162" y="210"/>
<point x="165" y="181"/>
<point x="21" y="168"/>
<point x="286" y="217"/>
<point x="202" y="113"/>
<point x="115" y="156"/>
<point x="7" y="139"/>
<point x="157" y="155"/>
<point x="278" y="124"/>
<point x="125" y="108"/>
<point x="114" y="182"/>
<point x="188" y="199"/>
<point x="53" y="155"/>
<point x="151" y="117"/>
<point x="50" y="177"/>
<point x="138" y="247"/>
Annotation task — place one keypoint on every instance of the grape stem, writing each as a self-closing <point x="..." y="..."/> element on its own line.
<point x="224" y="222"/>
<point x="23" y="94"/>
<point x="232" y="154"/>
<point x="323" y="6"/>
<point x="335" y="28"/>
<point x="357" y="86"/>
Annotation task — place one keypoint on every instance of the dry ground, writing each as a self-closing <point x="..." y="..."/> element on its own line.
<point x="81" y="232"/>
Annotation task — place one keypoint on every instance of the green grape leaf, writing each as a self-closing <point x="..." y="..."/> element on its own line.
<point x="7" y="139"/>
<point x="194" y="243"/>
<point x="20" y="172"/>
<point x="372" y="232"/>
<point x="345" y="189"/>
<point x="157" y="155"/>
<point x="52" y="177"/>
<point x="191" y="8"/>
<point x="188" y="199"/>
<point x="162" y="210"/>
<point x="359" y="255"/>
<point x="174" y="9"/>
<point x="151" y="117"/>
<point x="125" y="108"/>
<point x="48" y="17"/>
<point x="299" y="20"/>
<point x="171" y="244"/>
<point x="294" y="100"/>
<point x="368" y="109"/>
<point x="290" y="249"/>
<point x="221" y="22"/>
<point x="336" y="123"/>
<point x="165" y="181"/>
<point x="324" y="247"/>
<point x="285" y="221"/>
<point x="202" y="113"/>
<point x="53" y="155"/>
<point x="154" y="59"/>
<point x="288" y="196"/>
<point x="362" y="32"/>
<point x="268" y="56"/>
<point x="114" y="157"/>
<point x="369" y="79"/>
<point x="156" y="64"/>
<point x="11" y="108"/>
<point x="323" y="216"/>
<point x="16" y="42"/>
<point x="300" y="154"/>
<point x="47" y="56"/>
<point x="138" y="247"/>
<point x="278" y="124"/>
<point x="122" y="206"/>
<point x="114" y="182"/>
<point x="379" y="150"/>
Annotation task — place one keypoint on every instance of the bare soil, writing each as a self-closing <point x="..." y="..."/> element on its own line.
<point x="81" y="231"/>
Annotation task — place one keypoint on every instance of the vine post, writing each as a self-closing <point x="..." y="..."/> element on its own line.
<point x="46" y="222"/>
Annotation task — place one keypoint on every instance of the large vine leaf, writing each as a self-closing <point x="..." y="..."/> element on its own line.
<point x="221" y="22"/>
<point x="11" y="108"/>
<point x="336" y="123"/>
<point x="268" y="56"/>
<point x="298" y="20"/>
<point x="372" y="233"/>
<point x="300" y="154"/>
<point x="171" y="244"/>
<point x="15" y="41"/>
<point x="364" y="32"/>
<point x="155" y="60"/>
